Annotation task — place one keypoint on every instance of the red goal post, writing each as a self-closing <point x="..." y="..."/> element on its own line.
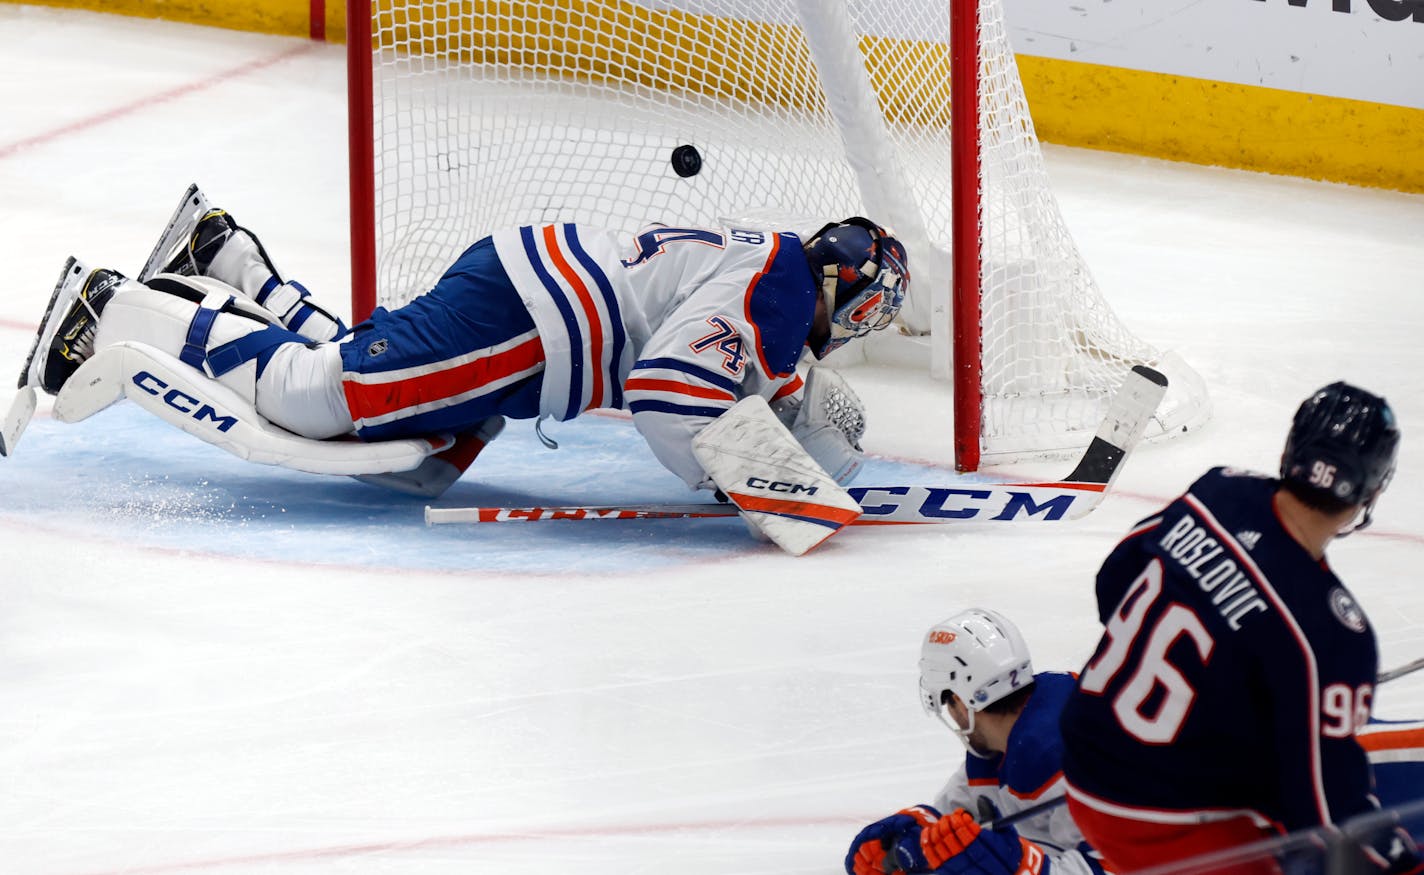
<point x="467" y="117"/>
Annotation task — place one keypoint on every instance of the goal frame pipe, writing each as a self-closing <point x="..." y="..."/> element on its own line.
<point x="361" y="155"/>
<point x="966" y="371"/>
<point x="966" y="221"/>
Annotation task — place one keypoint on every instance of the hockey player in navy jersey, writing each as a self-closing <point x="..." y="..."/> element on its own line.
<point x="675" y="325"/>
<point x="976" y="676"/>
<point x="1222" y="702"/>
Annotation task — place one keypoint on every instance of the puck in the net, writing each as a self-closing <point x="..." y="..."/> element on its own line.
<point x="686" y="161"/>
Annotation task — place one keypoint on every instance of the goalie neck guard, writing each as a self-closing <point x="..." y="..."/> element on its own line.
<point x="864" y="278"/>
<point x="1341" y="448"/>
<point x="977" y="655"/>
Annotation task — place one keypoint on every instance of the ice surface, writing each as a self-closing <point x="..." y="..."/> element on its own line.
<point x="213" y="666"/>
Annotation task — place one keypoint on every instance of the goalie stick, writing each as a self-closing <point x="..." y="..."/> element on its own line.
<point x="1073" y="497"/>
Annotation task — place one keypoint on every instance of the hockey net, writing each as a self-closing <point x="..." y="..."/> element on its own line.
<point x="469" y="117"/>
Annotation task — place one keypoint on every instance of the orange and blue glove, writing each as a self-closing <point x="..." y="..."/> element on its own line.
<point x="956" y="845"/>
<point x="871" y="847"/>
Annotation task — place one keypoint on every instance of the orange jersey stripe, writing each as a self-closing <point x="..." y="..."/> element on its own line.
<point x="792" y="386"/>
<point x="369" y="400"/>
<point x="595" y="325"/>
<point x="1388" y="739"/>
<point x="648" y="384"/>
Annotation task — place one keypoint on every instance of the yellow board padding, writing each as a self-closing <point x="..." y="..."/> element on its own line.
<point x="662" y="49"/>
<point x="1218" y="123"/>
<point x="1076" y="104"/>
<point x="280" y="17"/>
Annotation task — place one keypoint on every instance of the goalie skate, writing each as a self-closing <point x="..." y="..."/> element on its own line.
<point x="181" y="246"/>
<point x="66" y="335"/>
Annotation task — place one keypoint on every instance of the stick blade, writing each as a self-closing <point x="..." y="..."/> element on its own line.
<point x="22" y="409"/>
<point x="1131" y="410"/>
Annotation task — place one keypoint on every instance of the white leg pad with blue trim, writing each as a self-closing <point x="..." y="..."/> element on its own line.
<point x="206" y="409"/>
<point x="780" y="490"/>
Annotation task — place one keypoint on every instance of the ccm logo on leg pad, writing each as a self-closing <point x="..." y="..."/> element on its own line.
<point x="182" y="402"/>
<point x="780" y="486"/>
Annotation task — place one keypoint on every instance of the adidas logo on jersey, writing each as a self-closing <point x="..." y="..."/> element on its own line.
<point x="1248" y="539"/>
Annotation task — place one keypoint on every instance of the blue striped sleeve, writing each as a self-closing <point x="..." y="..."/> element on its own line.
<point x="556" y="292"/>
<point x="655" y="406"/>
<point x="710" y="377"/>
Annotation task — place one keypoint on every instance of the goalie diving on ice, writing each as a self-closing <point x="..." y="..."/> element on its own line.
<point x="676" y="325"/>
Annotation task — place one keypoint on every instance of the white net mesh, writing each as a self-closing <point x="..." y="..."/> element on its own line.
<point x="495" y="114"/>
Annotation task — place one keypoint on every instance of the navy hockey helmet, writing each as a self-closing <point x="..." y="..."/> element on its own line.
<point x="1342" y="447"/>
<point x="864" y="277"/>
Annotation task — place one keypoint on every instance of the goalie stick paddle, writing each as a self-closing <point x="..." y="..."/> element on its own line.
<point x="1070" y="498"/>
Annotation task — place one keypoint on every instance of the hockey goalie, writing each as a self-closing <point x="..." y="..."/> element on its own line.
<point x="697" y="332"/>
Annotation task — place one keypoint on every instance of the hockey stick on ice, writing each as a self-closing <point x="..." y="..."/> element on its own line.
<point x="1400" y="671"/>
<point x="1070" y="498"/>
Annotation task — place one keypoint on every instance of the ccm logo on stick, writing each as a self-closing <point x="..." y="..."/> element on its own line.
<point x="779" y="486"/>
<point x="933" y="502"/>
<point x="182" y="401"/>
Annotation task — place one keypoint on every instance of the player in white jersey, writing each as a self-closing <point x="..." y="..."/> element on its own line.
<point x="675" y="325"/>
<point x="977" y="677"/>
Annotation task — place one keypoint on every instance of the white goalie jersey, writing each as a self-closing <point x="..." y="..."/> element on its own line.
<point x="676" y="325"/>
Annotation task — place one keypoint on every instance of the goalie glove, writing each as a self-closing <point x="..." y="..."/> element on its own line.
<point x="872" y="845"/>
<point x="956" y="845"/>
<point x="830" y="424"/>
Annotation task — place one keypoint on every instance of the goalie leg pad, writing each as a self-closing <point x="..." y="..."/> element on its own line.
<point x="208" y="410"/>
<point x="777" y="486"/>
<point x="439" y="472"/>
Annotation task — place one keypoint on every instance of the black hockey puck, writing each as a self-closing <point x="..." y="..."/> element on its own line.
<point x="686" y="161"/>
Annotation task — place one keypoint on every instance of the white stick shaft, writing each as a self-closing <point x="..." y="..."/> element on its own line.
<point x="1400" y="671"/>
<point x="442" y="515"/>
<point x="881" y="505"/>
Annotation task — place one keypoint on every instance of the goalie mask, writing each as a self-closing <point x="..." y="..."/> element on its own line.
<point x="1342" y="447"/>
<point x="864" y="277"/>
<point x="977" y="655"/>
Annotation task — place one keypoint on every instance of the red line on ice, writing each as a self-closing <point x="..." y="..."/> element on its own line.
<point x="352" y="850"/>
<point x="84" y="124"/>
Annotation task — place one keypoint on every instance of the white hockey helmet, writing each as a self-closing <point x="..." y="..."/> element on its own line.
<point x="979" y="656"/>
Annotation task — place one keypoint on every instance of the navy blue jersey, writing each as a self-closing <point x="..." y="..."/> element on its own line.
<point x="1232" y="674"/>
